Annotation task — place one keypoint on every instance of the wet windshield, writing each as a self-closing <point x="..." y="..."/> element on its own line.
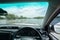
<point x="24" y="13"/>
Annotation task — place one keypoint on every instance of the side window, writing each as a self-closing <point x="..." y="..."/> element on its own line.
<point x="56" y="23"/>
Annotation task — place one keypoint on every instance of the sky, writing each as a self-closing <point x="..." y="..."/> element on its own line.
<point x="27" y="9"/>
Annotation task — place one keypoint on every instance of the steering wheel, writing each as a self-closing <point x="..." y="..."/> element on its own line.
<point x="27" y="33"/>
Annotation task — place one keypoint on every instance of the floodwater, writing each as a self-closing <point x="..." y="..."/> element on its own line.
<point x="29" y="21"/>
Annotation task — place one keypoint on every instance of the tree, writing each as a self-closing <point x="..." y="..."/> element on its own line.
<point x="21" y="17"/>
<point x="38" y="17"/>
<point x="11" y="16"/>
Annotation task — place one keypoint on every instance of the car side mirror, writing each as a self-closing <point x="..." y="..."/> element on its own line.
<point x="55" y="29"/>
<point x="52" y="27"/>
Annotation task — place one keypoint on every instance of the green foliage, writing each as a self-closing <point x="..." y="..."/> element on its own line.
<point x="21" y="17"/>
<point x="11" y="16"/>
<point x="38" y="17"/>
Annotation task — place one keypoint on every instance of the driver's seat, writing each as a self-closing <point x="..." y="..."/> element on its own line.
<point x="6" y="36"/>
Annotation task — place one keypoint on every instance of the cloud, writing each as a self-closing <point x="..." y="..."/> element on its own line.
<point x="13" y="10"/>
<point x="30" y="11"/>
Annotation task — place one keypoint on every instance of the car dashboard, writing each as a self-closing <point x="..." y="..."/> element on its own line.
<point x="18" y="35"/>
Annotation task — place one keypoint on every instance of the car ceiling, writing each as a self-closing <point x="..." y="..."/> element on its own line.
<point x="53" y="4"/>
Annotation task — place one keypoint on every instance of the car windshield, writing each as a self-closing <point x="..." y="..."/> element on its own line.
<point x="24" y="13"/>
